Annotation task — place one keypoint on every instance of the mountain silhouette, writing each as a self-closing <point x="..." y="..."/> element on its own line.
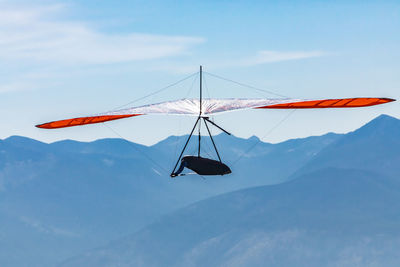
<point x="328" y="214"/>
<point x="375" y="147"/>
<point x="331" y="217"/>
<point x="59" y="199"/>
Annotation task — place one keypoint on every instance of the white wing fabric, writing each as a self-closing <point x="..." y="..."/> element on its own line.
<point x="191" y="107"/>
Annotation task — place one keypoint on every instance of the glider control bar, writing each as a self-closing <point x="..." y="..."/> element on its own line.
<point x="207" y="119"/>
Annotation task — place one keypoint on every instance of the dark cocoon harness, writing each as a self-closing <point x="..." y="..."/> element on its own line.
<point x="203" y="166"/>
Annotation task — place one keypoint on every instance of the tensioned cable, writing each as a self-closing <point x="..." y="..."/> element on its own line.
<point x="155" y="92"/>
<point x="261" y="90"/>
<point x="205" y="84"/>
<point x="141" y="98"/>
<point x="191" y="87"/>
<point x="137" y="149"/>
<point x="177" y="142"/>
<point x="260" y="139"/>
<point x="245" y="85"/>
<point x="186" y="78"/>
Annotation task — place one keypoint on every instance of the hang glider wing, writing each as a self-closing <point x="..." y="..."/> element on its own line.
<point x="82" y="121"/>
<point x="331" y="103"/>
<point x="191" y="107"/>
<point x="212" y="106"/>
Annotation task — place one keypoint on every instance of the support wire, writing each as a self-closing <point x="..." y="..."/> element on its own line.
<point x="136" y="148"/>
<point x="155" y="92"/>
<point x="245" y="85"/>
<point x="260" y="139"/>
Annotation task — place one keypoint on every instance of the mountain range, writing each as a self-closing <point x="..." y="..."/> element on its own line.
<point x="325" y="200"/>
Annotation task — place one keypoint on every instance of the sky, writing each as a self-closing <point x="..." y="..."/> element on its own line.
<point x="64" y="59"/>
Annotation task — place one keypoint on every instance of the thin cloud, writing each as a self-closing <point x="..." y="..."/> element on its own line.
<point x="34" y="35"/>
<point x="268" y="56"/>
<point x="260" y="58"/>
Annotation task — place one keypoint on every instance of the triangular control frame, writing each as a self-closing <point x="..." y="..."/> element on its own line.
<point x="206" y="120"/>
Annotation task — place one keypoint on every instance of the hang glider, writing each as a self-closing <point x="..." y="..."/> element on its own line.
<point x="202" y="109"/>
<point x="210" y="107"/>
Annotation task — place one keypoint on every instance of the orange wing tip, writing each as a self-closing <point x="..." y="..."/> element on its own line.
<point x="83" y="121"/>
<point x="333" y="103"/>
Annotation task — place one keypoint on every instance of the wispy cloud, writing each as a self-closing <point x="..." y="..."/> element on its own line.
<point x="41" y="39"/>
<point x="268" y="56"/>
<point x="259" y="58"/>
<point x="35" y="34"/>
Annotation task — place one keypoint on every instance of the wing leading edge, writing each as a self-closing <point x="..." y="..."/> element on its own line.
<point x="332" y="103"/>
<point x="82" y="121"/>
<point x="191" y="107"/>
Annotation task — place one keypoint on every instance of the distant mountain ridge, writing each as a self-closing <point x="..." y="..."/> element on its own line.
<point x="328" y="216"/>
<point x="375" y="147"/>
<point x="70" y="196"/>
<point x="317" y="220"/>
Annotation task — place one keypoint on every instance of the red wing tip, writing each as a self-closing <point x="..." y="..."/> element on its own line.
<point x="44" y="126"/>
<point x="82" y="121"/>
<point x="389" y="99"/>
<point x="333" y="103"/>
<point x="40" y="126"/>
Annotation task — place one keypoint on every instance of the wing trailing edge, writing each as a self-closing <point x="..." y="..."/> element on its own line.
<point x="332" y="103"/>
<point x="83" y="121"/>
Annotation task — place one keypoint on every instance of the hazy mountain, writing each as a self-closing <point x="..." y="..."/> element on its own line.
<point x="341" y="210"/>
<point x="375" y="147"/>
<point x="331" y="217"/>
<point x="62" y="198"/>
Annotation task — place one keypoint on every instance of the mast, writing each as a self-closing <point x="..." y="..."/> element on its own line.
<point x="201" y="86"/>
<point x="200" y="102"/>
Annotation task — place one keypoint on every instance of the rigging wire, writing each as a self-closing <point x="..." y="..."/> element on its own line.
<point x="136" y="148"/>
<point x="245" y="85"/>
<point x="186" y="78"/>
<point x="177" y="137"/>
<point x="260" y="90"/>
<point x="205" y="83"/>
<point x="260" y="139"/>
<point x="144" y="97"/>
<point x="155" y="92"/>
<point x="191" y="87"/>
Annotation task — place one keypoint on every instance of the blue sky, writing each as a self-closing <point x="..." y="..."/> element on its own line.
<point x="62" y="59"/>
